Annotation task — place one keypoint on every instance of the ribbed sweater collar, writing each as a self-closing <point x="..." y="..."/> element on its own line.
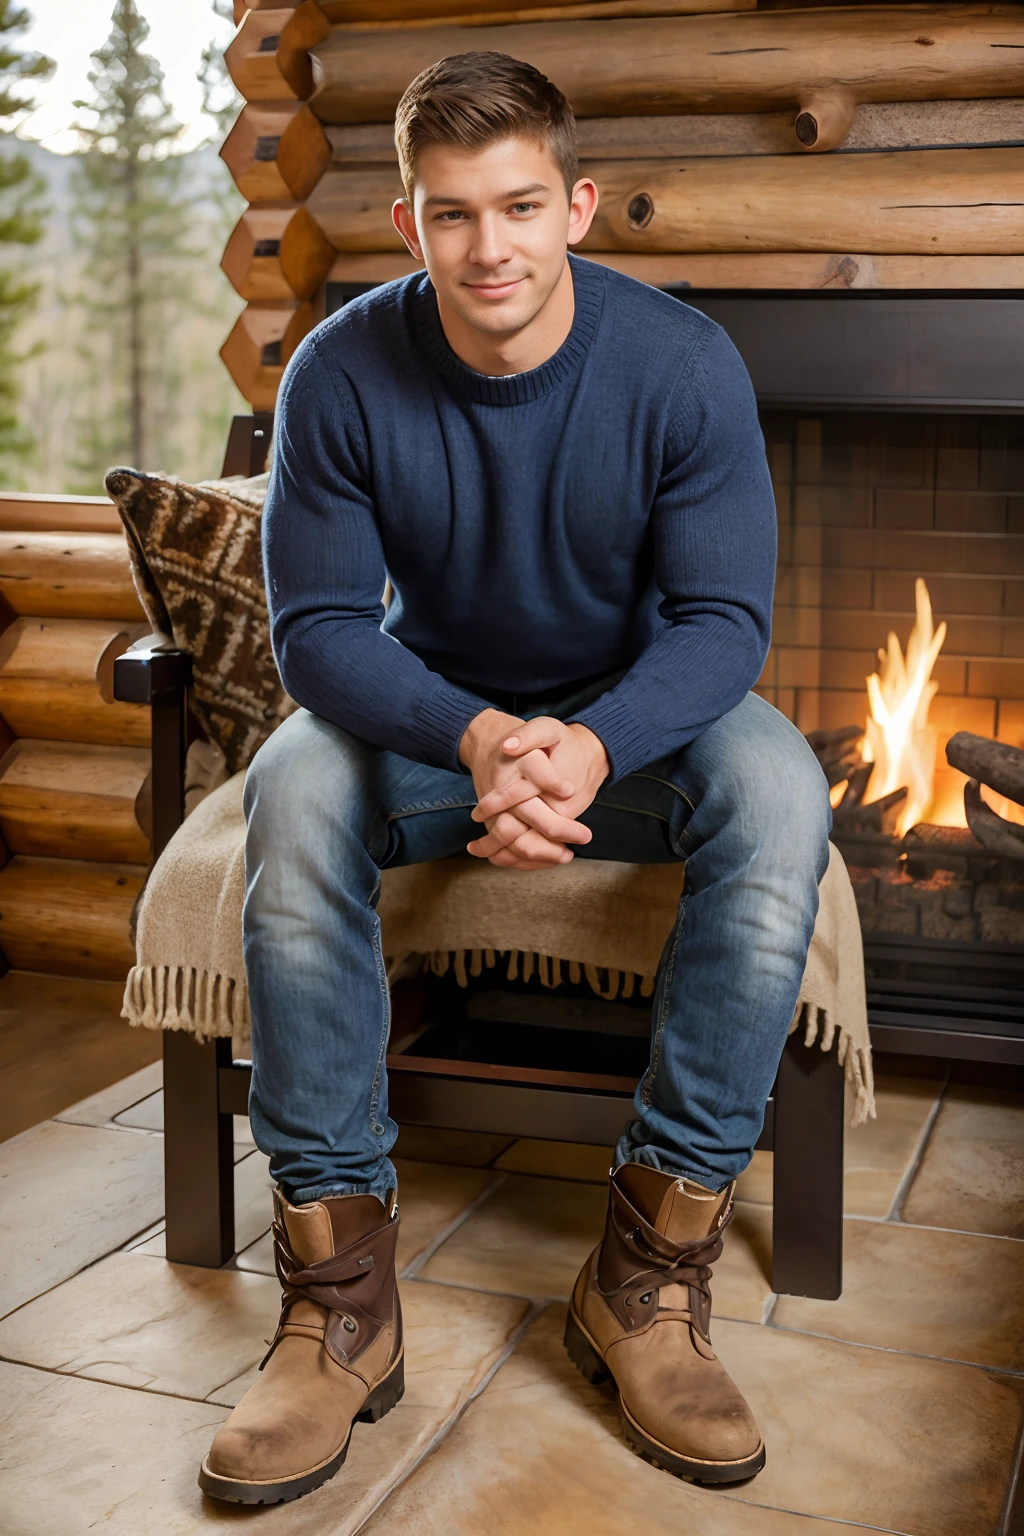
<point x="517" y="389"/>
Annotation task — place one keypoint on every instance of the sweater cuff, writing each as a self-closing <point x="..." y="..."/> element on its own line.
<point x="623" y="735"/>
<point x="440" y="720"/>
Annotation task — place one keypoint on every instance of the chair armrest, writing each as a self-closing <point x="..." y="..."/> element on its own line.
<point x="154" y="671"/>
<point x="150" y="669"/>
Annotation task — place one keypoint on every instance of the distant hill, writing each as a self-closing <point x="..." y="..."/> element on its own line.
<point x="201" y="396"/>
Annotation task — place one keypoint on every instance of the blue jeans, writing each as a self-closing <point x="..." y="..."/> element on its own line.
<point x="746" y="805"/>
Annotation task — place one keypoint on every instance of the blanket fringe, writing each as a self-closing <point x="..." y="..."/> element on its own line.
<point x="211" y="1006"/>
<point x="207" y="1005"/>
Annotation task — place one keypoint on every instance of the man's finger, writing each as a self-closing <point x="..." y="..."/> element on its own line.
<point x="537" y="766"/>
<point x="508" y="831"/>
<point x="560" y="829"/>
<point x="543" y="732"/>
<point x="506" y="796"/>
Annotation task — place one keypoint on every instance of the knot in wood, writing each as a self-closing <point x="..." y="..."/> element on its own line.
<point x="640" y="211"/>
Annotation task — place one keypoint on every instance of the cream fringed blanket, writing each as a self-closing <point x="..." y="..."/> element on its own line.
<point x="605" y="921"/>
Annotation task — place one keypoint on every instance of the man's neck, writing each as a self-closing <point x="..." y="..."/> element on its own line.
<point x="521" y="350"/>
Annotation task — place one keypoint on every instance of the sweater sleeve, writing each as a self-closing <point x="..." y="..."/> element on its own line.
<point x="713" y="531"/>
<point x="325" y="577"/>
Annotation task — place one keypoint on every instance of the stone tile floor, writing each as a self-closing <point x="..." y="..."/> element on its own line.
<point x="898" y="1408"/>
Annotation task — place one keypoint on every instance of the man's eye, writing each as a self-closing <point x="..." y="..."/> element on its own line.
<point x="523" y="207"/>
<point x="450" y="215"/>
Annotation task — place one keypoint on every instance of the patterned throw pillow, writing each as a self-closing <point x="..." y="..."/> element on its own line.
<point x="195" y="553"/>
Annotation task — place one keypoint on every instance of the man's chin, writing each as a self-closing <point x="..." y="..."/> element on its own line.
<point x="498" y="317"/>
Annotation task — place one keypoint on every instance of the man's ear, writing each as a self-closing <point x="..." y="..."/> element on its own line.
<point x="582" y="207"/>
<point x="405" y="223"/>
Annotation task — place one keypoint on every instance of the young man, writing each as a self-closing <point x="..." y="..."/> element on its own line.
<point x="561" y="472"/>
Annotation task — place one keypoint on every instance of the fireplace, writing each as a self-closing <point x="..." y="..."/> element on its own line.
<point x="896" y="451"/>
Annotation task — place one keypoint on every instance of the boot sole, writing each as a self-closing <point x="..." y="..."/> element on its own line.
<point x="385" y="1395"/>
<point x="585" y="1356"/>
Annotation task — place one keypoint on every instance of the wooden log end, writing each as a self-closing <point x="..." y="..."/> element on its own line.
<point x="825" y="120"/>
<point x="306" y="254"/>
<point x="250" y="150"/>
<point x="259" y="345"/>
<point x="306" y="27"/>
<point x="252" y="60"/>
<point x="303" y="154"/>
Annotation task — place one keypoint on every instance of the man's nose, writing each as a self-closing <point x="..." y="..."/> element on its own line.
<point x="490" y="243"/>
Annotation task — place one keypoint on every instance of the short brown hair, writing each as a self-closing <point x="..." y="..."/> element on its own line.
<point x="474" y="99"/>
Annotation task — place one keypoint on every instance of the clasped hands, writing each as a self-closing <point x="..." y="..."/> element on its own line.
<point x="532" y="779"/>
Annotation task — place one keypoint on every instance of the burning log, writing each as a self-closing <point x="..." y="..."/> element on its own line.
<point x="752" y="61"/>
<point x="837" y="751"/>
<point x="994" y="763"/>
<point x="878" y="816"/>
<point x="999" y="836"/>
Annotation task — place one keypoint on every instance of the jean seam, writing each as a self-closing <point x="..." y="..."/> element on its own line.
<point x="647" y="1087"/>
<point x="382" y="978"/>
<point x="433" y="805"/>
<point x="668" y="785"/>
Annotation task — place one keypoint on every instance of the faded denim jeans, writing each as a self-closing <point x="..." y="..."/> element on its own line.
<point x="745" y="804"/>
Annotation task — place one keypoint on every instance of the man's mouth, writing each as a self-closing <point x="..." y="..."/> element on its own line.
<point x="495" y="290"/>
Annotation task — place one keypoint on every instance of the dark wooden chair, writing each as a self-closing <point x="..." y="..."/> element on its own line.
<point x="458" y="1062"/>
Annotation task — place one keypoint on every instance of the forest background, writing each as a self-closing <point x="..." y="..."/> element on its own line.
<point x="113" y="306"/>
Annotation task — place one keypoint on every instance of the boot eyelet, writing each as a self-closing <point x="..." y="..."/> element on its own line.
<point x="348" y="1325"/>
<point x="645" y="1298"/>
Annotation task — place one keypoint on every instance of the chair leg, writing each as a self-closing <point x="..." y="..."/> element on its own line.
<point x="807" y="1242"/>
<point x="199" y="1180"/>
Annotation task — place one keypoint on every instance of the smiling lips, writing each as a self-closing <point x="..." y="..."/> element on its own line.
<point x="495" y="290"/>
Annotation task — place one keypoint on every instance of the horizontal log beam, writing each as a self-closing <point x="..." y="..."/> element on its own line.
<point x="941" y="202"/>
<point x="876" y="125"/>
<point x="789" y="269"/>
<point x="437" y="11"/>
<point x="740" y="62"/>
<point x="69" y="800"/>
<point x="572" y="10"/>
<point x="935" y="202"/>
<point x="68" y="575"/>
<point x="276" y="151"/>
<point x="68" y="917"/>
<point x="258" y="347"/>
<point x="56" y="681"/>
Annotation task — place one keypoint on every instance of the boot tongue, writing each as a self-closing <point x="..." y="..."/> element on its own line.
<point x="309" y="1231"/>
<point x="688" y="1211"/>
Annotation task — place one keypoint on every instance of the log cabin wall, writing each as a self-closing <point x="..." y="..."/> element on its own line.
<point x="74" y="764"/>
<point x="734" y="146"/>
<point x="867" y="503"/>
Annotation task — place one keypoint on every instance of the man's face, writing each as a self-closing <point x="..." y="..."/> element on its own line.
<point x="491" y="225"/>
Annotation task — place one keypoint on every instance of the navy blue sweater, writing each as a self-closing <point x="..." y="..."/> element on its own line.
<point x="608" y="510"/>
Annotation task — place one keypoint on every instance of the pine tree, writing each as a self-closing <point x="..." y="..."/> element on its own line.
<point x="220" y="99"/>
<point x="21" y="224"/>
<point x="131" y="219"/>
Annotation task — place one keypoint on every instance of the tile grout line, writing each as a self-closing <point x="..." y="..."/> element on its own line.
<point x="115" y="1386"/>
<point x="920" y="1226"/>
<point x="1016" y="1473"/>
<point x="895" y="1211"/>
<point x="890" y="1349"/>
<point x="803" y="1514"/>
<point x="414" y="1265"/>
<point x="534" y="1310"/>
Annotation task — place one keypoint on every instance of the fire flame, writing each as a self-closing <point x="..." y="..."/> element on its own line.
<point x="899" y="740"/>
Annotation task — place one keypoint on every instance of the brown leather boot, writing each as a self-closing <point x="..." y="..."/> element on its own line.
<point x="336" y="1357"/>
<point x="640" y="1313"/>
